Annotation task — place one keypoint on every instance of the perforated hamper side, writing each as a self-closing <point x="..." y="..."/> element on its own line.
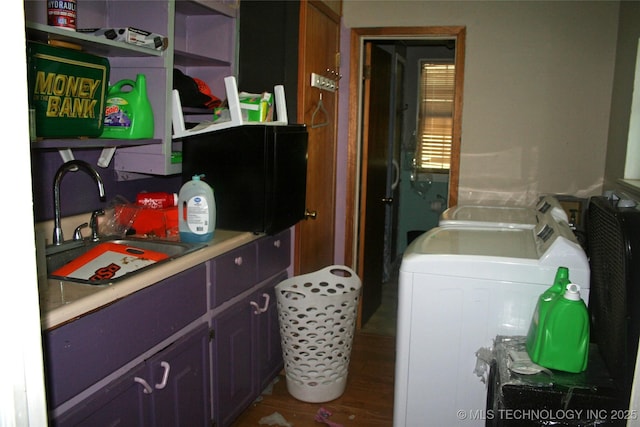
<point x="317" y="314"/>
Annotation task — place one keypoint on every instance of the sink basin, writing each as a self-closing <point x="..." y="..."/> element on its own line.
<point x="110" y="260"/>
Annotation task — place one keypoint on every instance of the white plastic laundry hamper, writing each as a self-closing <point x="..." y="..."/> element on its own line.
<point x="317" y="313"/>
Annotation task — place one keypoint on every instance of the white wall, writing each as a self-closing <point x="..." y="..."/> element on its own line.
<point x="537" y="92"/>
<point x="22" y="391"/>
<point x="627" y="48"/>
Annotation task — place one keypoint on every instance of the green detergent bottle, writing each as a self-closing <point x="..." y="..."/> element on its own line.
<point x="128" y="112"/>
<point x="563" y="343"/>
<point x="545" y="300"/>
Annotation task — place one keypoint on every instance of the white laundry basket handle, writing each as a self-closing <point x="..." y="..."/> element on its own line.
<point x="329" y="281"/>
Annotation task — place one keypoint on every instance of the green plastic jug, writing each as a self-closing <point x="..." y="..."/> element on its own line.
<point x="564" y="340"/>
<point x="545" y="300"/>
<point x="128" y="112"/>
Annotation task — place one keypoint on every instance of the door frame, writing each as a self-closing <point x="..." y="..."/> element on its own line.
<point x="354" y="147"/>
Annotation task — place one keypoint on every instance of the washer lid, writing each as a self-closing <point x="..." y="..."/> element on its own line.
<point x="490" y="216"/>
<point x="548" y="209"/>
<point x="486" y="242"/>
<point x="522" y="255"/>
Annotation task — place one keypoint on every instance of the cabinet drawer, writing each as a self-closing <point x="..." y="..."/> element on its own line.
<point x="233" y="273"/>
<point x="274" y="254"/>
<point x="82" y="352"/>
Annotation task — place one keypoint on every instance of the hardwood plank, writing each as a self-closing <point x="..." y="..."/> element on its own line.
<point x="367" y="400"/>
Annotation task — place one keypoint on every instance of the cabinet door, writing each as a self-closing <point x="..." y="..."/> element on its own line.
<point x="267" y="334"/>
<point x="233" y="361"/>
<point x="169" y="389"/>
<point x="121" y="403"/>
<point x="180" y="378"/>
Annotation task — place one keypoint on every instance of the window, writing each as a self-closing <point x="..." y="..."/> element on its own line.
<point x="435" y="117"/>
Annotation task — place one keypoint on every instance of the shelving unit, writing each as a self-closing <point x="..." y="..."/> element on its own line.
<point x="53" y="143"/>
<point x="202" y="44"/>
<point x="97" y="45"/>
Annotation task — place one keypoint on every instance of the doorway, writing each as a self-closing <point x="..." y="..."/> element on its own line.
<point x="363" y="234"/>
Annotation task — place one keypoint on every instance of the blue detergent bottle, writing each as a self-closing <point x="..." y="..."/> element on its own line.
<point x="196" y="211"/>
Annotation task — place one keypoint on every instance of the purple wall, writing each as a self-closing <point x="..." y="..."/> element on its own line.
<point x="78" y="191"/>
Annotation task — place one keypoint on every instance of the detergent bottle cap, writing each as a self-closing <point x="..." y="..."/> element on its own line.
<point x="572" y="292"/>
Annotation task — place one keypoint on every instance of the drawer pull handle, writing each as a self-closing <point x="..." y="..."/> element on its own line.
<point x="146" y="387"/>
<point x="238" y="261"/>
<point x="165" y="376"/>
<point x="256" y="307"/>
<point x="276" y="244"/>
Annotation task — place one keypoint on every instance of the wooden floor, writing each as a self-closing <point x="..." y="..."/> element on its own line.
<point x="367" y="400"/>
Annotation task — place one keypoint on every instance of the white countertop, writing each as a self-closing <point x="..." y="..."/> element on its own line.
<point x="63" y="301"/>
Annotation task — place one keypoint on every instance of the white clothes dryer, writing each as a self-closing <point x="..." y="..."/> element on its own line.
<point x="458" y="289"/>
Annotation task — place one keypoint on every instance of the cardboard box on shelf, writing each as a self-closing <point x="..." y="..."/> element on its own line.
<point x="256" y="107"/>
<point x="67" y="91"/>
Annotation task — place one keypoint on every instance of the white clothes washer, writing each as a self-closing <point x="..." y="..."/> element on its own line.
<point x="458" y="289"/>
<point x="504" y="216"/>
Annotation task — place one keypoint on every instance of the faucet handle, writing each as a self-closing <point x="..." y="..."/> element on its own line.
<point x="77" y="234"/>
<point x="93" y="223"/>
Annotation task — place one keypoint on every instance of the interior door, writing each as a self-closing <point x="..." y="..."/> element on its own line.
<point x="393" y="165"/>
<point x="375" y="159"/>
<point x="319" y="47"/>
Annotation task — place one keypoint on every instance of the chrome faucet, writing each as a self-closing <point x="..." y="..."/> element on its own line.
<point x="72" y="165"/>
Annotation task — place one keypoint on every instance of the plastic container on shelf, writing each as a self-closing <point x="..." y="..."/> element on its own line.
<point x="563" y="343"/>
<point x="196" y="211"/>
<point x="62" y="14"/>
<point x="157" y="200"/>
<point x="128" y="112"/>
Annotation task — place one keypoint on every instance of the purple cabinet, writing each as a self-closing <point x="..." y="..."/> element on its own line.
<point x="232" y="356"/>
<point x="83" y="352"/>
<point x="246" y="351"/>
<point x="233" y="273"/>
<point x="169" y="389"/>
<point x="274" y="254"/>
<point x="99" y="366"/>
<point x="119" y="404"/>
<point x="183" y="371"/>
<point x="267" y="335"/>
<point x="244" y="267"/>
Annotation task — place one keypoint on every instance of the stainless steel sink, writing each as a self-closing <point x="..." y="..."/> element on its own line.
<point x="60" y="255"/>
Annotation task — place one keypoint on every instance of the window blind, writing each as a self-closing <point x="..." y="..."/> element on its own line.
<point x="435" y="118"/>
